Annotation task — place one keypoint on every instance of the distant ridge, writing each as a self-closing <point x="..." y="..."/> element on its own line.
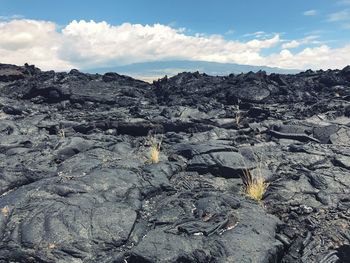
<point x="158" y="69"/>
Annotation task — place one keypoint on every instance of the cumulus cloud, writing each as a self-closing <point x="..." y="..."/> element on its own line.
<point x="89" y="44"/>
<point x="291" y="44"/>
<point x="11" y="17"/>
<point x="31" y="41"/>
<point x="322" y="57"/>
<point x="93" y="43"/>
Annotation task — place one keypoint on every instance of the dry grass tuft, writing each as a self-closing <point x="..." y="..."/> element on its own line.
<point x="238" y="116"/>
<point x="154" y="149"/>
<point x="255" y="187"/>
<point x="52" y="246"/>
<point x="5" y="211"/>
<point x="61" y="133"/>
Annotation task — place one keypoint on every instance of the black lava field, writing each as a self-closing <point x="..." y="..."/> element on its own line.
<point x="77" y="183"/>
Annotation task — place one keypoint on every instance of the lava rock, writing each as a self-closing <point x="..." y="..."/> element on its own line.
<point x="107" y="168"/>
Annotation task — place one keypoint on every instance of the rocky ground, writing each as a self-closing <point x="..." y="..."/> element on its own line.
<point x="77" y="185"/>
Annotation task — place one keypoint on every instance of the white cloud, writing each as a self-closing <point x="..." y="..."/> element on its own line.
<point x="291" y="44"/>
<point x="230" y="32"/>
<point x="83" y="44"/>
<point x="339" y="16"/>
<point x="31" y="41"/>
<point x="303" y="41"/>
<point x="12" y="17"/>
<point x="258" y="34"/>
<point x="342" y="18"/>
<point x="310" y="13"/>
<point x="89" y="44"/>
<point x="322" y="57"/>
<point x="98" y="43"/>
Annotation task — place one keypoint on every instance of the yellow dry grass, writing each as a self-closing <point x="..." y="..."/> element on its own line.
<point x="155" y="143"/>
<point x="52" y="246"/>
<point x="255" y="187"/>
<point x="154" y="153"/>
<point x="238" y="115"/>
<point x="61" y="133"/>
<point x="238" y="118"/>
<point x="5" y="211"/>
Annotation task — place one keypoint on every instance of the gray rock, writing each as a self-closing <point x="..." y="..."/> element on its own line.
<point x="341" y="137"/>
<point x="226" y="164"/>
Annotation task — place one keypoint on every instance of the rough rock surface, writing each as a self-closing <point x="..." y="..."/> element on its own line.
<point x="76" y="184"/>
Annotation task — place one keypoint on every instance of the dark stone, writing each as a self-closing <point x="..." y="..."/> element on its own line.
<point x="9" y="73"/>
<point x="12" y="110"/>
<point x="226" y="164"/>
<point x="323" y="133"/>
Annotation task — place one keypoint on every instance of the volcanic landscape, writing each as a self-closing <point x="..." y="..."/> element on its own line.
<point x="107" y="168"/>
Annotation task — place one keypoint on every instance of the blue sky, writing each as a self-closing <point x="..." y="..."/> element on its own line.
<point x="320" y="25"/>
<point x="200" y="16"/>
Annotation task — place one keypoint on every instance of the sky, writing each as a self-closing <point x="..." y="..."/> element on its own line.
<point x="61" y="35"/>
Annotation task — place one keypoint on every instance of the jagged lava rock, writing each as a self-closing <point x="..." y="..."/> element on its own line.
<point x="76" y="183"/>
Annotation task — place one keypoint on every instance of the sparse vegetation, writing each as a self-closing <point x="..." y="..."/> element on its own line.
<point x="3" y="115"/>
<point x="238" y="118"/>
<point x="61" y="133"/>
<point x="52" y="246"/>
<point x="255" y="186"/>
<point x="154" y="149"/>
<point x="5" y="211"/>
<point x="238" y="115"/>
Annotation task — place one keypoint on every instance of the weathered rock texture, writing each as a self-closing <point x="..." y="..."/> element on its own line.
<point x="76" y="184"/>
